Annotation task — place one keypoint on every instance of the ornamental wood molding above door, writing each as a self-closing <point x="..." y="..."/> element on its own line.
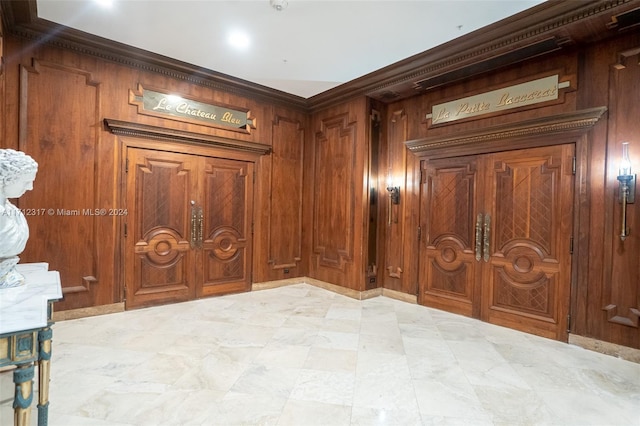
<point x="127" y="128"/>
<point x="508" y="136"/>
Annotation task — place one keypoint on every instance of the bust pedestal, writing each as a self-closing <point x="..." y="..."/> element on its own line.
<point x="25" y="336"/>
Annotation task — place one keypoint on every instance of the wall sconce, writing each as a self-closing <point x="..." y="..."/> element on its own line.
<point x="394" y="198"/>
<point x="627" y="191"/>
<point x="394" y="194"/>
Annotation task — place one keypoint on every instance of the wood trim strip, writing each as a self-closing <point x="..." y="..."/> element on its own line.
<point x="126" y="128"/>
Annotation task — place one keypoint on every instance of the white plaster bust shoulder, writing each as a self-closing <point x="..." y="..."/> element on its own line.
<point x="17" y="173"/>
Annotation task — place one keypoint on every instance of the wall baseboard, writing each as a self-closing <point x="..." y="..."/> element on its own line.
<point x="88" y="312"/>
<point x="612" y="349"/>
<point x="266" y="285"/>
<point x="354" y="294"/>
<point x="398" y="295"/>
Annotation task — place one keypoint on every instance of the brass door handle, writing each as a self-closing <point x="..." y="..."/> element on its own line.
<point x="479" y="237"/>
<point x="194" y="226"/>
<point x="487" y="237"/>
<point x="200" y="222"/>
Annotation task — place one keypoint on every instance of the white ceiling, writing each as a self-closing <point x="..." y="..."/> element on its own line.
<point x="305" y="49"/>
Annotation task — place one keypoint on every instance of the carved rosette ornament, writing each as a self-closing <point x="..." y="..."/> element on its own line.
<point x="17" y="173"/>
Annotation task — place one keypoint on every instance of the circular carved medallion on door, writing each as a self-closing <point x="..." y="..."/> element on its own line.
<point x="226" y="242"/>
<point x="161" y="247"/>
<point x="524" y="261"/>
<point x="448" y="257"/>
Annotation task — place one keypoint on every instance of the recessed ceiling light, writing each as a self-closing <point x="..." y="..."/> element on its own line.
<point x="104" y="3"/>
<point x="279" y="5"/>
<point x="239" y="40"/>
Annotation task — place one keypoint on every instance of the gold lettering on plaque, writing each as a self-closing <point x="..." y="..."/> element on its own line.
<point x="532" y="92"/>
<point x="507" y="99"/>
<point x="163" y="105"/>
<point x="227" y="117"/>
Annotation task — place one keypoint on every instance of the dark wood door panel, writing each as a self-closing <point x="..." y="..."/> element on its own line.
<point x="227" y="222"/>
<point x="449" y="268"/>
<point x="528" y="274"/>
<point x="159" y="262"/>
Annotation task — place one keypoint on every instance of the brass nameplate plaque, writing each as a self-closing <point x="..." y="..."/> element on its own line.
<point x="151" y="102"/>
<point x="531" y="92"/>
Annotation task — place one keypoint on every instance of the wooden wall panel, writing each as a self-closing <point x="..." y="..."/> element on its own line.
<point x="606" y="290"/>
<point x="64" y="232"/>
<point x="593" y="76"/>
<point x="396" y="160"/>
<point x="401" y="234"/>
<point x="285" y="227"/>
<point x="336" y="190"/>
<point x="279" y="251"/>
<point x="620" y="297"/>
<point x="333" y="219"/>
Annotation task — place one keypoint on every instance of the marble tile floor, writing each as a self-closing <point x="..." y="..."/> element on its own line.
<point x="301" y="355"/>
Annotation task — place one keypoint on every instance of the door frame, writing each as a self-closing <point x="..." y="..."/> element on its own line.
<point x="566" y="128"/>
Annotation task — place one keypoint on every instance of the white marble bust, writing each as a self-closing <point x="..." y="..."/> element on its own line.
<point x="17" y="173"/>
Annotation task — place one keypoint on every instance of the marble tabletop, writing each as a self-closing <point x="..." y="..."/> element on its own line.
<point x="26" y="307"/>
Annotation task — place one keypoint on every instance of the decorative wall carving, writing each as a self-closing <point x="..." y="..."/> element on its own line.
<point x="333" y="199"/>
<point x="621" y="283"/>
<point x="55" y="143"/>
<point x="396" y="225"/>
<point x="285" y="219"/>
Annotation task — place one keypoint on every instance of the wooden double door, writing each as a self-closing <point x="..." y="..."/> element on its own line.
<point x="497" y="237"/>
<point x="189" y="226"/>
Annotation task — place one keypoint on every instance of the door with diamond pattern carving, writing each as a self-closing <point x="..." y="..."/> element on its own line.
<point x="449" y="270"/>
<point x="226" y="227"/>
<point x="497" y="241"/>
<point x="189" y="226"/>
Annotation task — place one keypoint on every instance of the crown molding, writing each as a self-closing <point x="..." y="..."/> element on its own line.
<point x="548" y="27"/>
<point x="20" y="20"/>
<point x="552" y="25"/>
